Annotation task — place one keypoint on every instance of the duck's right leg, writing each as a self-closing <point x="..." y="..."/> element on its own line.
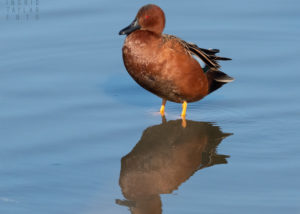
<point x="162" y="108"/>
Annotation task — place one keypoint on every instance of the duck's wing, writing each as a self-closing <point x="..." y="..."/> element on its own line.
<point x="208" y="56"/>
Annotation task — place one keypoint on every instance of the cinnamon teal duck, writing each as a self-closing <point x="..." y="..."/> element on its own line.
<point x="165" y="65"/>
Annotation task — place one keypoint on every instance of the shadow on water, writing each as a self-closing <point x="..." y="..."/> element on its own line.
<point x="166" y="156"/>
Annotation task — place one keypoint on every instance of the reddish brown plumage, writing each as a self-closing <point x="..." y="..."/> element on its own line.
<point x="164" y="64"/>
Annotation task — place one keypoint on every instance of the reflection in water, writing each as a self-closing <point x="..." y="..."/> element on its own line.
<point x="166" y="156"/>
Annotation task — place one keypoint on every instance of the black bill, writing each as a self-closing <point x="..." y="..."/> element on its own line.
<point x="132" y="27"/>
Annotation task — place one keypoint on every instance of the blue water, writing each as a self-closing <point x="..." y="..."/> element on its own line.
<point x="77" y="132"/>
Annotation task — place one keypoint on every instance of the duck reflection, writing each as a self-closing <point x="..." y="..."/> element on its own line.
<point x="166" y="156"/>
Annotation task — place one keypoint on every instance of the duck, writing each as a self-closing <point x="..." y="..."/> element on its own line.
<point x="165" y="64"/>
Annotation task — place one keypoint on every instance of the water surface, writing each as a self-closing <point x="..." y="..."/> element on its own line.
<point x="76" y="130"/>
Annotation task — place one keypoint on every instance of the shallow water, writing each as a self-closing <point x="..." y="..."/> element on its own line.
<point x="76" y="130"/>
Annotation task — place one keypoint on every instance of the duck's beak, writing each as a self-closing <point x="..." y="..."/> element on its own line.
<point x="132" y="27"/>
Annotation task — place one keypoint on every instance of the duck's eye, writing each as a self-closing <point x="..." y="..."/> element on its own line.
<point x="146" y="17"/>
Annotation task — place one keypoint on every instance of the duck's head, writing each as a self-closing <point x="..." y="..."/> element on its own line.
<point x="150" y="17"/>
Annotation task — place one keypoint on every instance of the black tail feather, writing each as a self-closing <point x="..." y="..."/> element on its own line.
<point x="216" y="78"/>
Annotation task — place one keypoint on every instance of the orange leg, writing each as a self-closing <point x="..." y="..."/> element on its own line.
<point x="162" y="108"/>
<point x="183" y="113"/>
<point x="184" y="106"/>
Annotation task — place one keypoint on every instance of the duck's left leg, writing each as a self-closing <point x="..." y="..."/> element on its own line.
<point x="162" y="108"/>
<point x="184" y="106"/>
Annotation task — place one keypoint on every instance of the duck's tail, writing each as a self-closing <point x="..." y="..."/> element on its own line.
<point x="216" y="78"/>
